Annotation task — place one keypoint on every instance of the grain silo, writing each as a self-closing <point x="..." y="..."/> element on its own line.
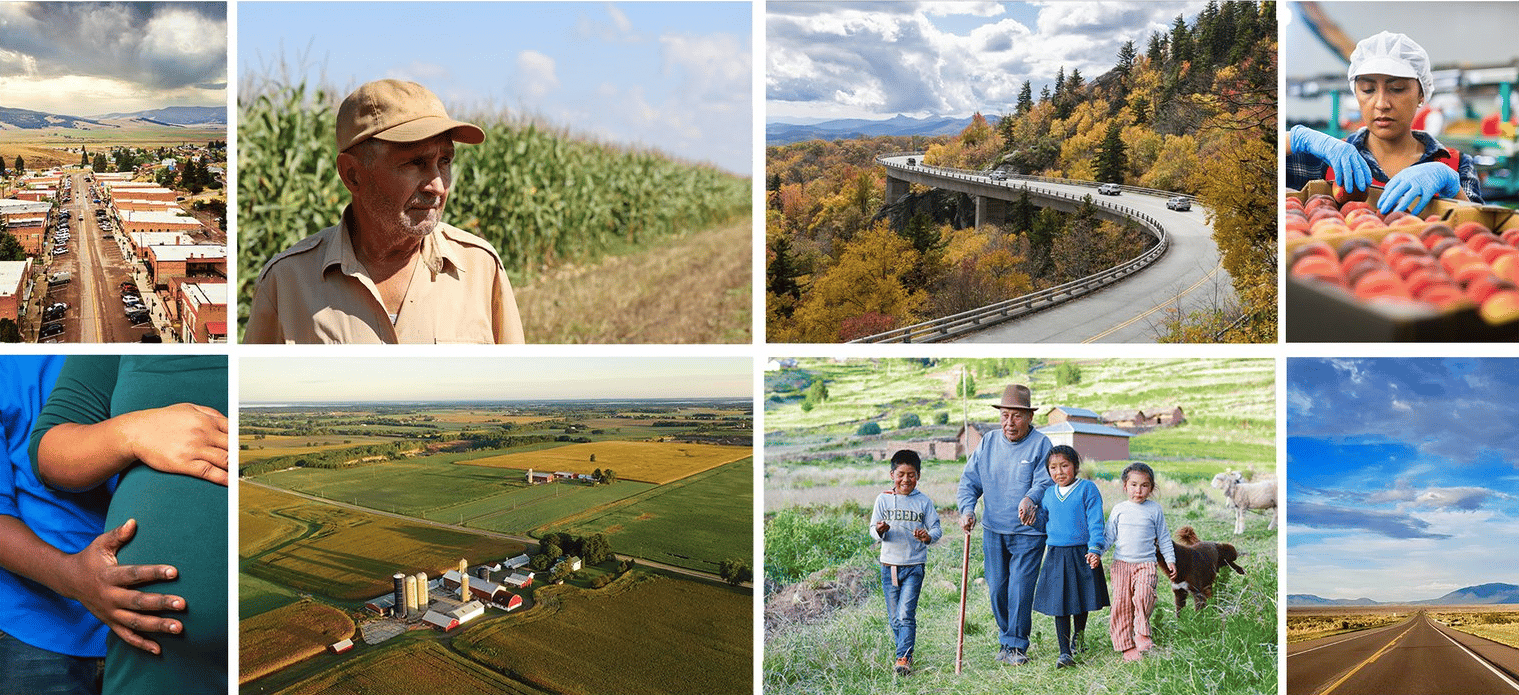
<point x="483" y="572"/>
<point x="411" y="595"/>
<point x="423" y="599"/>
<point x="463" y="587"/>
<point x="399" y="610"/>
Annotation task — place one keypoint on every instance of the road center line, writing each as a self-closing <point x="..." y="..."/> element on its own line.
<point x="1355" y="635"/>
<point x="1363" y="664"/>
<point x="1480" y="660"/>
<point x="1157" y="307"/>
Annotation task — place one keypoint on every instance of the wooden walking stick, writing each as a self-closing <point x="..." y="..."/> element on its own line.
<point x="964" y="582"/>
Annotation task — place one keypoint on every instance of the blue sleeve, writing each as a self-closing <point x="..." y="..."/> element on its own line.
<point x="1096" y="533"/>
<point x="931" y="517"/>
<point x="876" y="515"/>
<point x="82" y="396"/>
<point x="970" y="481"/>
<point x="1041" y="479"/>
<point x="1163" y="536"/>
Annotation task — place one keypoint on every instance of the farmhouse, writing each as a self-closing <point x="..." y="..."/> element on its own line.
<point x="538" y="478"/>
<point x="519" y="580"/>
<point x="563" y="475"/>
<point x="490" y="592"/>
<point x="571" y="560"/>
<point x="1095" y="442"/>
<point x="1128" y="419"/>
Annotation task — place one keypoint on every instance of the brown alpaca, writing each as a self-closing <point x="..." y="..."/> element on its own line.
<point x="1197" y="566"/>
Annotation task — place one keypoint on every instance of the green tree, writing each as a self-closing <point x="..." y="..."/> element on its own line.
<point x="1112" y="159"/>
<point x="539" y="562"/>
<point x="9" y="331"/>
<point x="735" y="571"/>
<point x="610" y="476"/>
<point x="1126" y="57"/>
<point x="1067" y="374"/>
<point x="596" y="474"/>
<point x="99" y="164"/>
<point x="84" y="157"/>
<point x="868" y="429"/>
<point x="906" y="420"/>
<point x="20" y="167"/>
<point x="550" y="550"/>
<point x="10" y="249"/>
<point x="1025" y="99"/>
<point x="593" y="458"/>
<point x="596" y="549"/>
<point x="941" y="417"/>
<point x="968" y="388"/>
<point x="781" y="272"/>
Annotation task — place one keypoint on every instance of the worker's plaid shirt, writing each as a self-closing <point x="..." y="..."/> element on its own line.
<point x="1303" y="167"/>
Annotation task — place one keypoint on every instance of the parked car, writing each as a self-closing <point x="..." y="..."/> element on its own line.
<point x="151" y="337"/>
<point x="51" y="329"/>
<point x="1179" y="203"/>
<point x="1109" y="189"/>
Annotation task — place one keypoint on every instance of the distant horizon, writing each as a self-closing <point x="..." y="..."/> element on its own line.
<point x="474" y="401"/>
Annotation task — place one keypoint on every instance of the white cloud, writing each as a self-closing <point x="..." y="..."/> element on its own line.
<point x="536" y="75"/>
<point x="619" y="19"/>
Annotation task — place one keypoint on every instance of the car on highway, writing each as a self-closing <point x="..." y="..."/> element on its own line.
<point x="1179" y="203"/>
<point x="998" y="175"/>
<point x="1109" y="189"/>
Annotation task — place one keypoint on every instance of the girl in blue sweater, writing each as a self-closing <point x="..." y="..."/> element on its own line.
<point x="1071" y="581"/>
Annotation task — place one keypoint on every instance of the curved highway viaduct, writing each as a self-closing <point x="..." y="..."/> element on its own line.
<point x="1188" y="277"/>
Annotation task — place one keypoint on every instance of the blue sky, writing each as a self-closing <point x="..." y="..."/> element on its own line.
<point x="1402" y="476"/>
<point x="875" y="60"/>
<point x="674" y="76"/>
<point x="287" y="380"/>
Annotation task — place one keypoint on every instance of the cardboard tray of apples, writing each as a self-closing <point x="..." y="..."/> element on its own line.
<point x="1353" y="275"/>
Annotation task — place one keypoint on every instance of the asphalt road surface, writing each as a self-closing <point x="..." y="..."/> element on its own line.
<point x="1415" y="657"/>
<point x="1189" y="276"/>
<point x="96" y="313"/>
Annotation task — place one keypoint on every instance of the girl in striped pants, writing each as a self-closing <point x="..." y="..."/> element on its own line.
<point x="1135" y="528"/>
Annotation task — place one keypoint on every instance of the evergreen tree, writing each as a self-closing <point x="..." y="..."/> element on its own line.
<point x="1073" y="85"/>
<point x="1112" y="159"/>
<point x="1126" y="56"/>
<point x="9" y="331"/>
<point x="782" y="271"/>
<point x="10" y="249"/>
<point x="84" y="157"/>
<point x="1156" y="52"/>
<point x="99" y="163"/>
<point x="1044" y="94"/>
<point x="1025" y="99"/>
<point x="1181" y="42"/>
<point x="20" y="167"/>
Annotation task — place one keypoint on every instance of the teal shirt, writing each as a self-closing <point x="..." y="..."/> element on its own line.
<point x="181" y="521"/>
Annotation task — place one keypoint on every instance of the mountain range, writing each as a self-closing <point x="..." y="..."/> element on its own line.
<point x="173" y="116"/>
<point x="1482" y="594"/>
<point x="778" y="133"/>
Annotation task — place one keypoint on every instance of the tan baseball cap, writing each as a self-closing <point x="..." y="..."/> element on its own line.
<point x="398" y="111"/>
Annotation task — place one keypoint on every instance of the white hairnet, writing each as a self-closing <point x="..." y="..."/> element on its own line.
<point x="1391" y="54"/>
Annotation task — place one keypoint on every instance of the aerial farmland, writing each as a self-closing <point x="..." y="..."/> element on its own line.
<point x="509" y="546"/>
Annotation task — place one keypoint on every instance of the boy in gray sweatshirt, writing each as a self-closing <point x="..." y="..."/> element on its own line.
<point x="906" y="523"/>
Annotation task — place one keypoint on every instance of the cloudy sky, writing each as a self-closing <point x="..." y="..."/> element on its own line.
<point x="1403" y="476"/>
<point x="675" y="76"/>
<point x="318" y="379"/>
<point x="89" y="59"/>
<point x="875" y="60"/>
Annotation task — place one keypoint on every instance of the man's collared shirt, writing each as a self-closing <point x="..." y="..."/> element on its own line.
<point x="318" y="291"/>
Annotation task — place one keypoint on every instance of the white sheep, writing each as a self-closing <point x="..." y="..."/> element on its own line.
<point x="1258" y="496"/>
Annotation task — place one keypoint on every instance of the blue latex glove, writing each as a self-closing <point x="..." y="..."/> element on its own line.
<point x="1422" y="182"/>
<point x="1350" y="170"/>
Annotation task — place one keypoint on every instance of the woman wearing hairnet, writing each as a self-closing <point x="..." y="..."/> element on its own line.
<point x="1389" y="75"/>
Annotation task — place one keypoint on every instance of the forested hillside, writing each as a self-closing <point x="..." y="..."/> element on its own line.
<point x="1193" y="112"/>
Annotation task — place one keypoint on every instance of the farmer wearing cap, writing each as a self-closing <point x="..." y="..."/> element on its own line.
<point x="1389" y="75"/>
<point x="390" y="271"/>
<point x="1008" y="472"/>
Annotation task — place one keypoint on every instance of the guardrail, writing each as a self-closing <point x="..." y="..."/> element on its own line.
<point x="965" y="322"/>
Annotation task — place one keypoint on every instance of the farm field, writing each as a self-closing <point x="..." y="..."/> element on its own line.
<point x="652" y="462"/>
<point x="354" y="554"/>
<point x="279" y="638"/>
<point x="411" y="486"/>
<point x="696" y="522"/>
<point x="529" y="508"/>
<point x="416" y="665"/>
<point x="255" y="596"/>
<point x="691" y="637"/>
<point x="282" y="445"/>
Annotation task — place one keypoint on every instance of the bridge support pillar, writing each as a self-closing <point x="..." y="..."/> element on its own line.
<point x="990" y="211"/>
<point x="895" y="189"/>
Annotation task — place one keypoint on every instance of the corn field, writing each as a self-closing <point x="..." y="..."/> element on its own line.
<point x="542" y="197"/>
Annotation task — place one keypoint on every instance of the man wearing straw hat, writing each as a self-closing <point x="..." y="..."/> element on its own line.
<point x="391" y="271"/>
<point x="1008" y="473"/>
